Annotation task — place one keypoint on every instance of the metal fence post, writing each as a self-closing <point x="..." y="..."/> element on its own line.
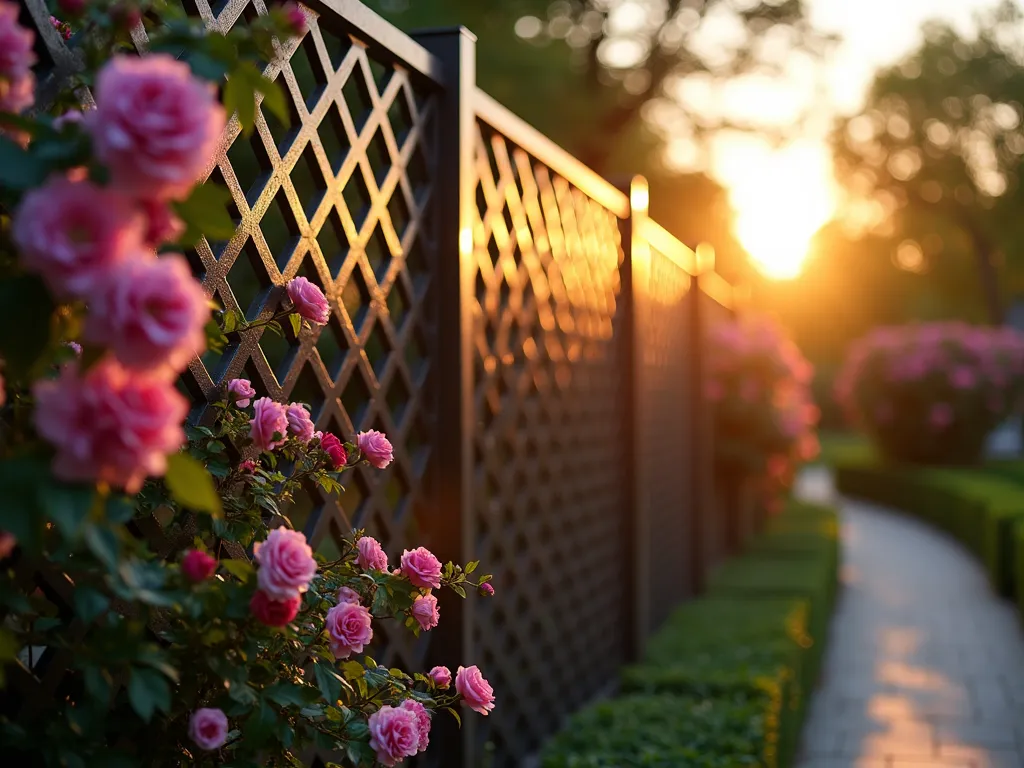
<point x="452" y="473"/>
<point x="636" y="513"/>
<point x="701" y="447"/>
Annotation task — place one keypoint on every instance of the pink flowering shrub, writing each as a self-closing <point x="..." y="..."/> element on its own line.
<point x="931" y="393"/>
<point x="758" y="383"/>
<point x="199" y="625"/>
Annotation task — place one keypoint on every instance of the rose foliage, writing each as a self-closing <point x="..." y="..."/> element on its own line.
<point x="759" y="385"/>
<point x="931" y="393"/>
<point x="158" y="607"/>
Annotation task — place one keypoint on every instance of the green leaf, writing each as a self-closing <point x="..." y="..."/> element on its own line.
<point x="147" y="692"/>
<point x="68" y="507"/>
<point x="470" y="567"/>
<point x="18" y="168"/>
<point x="25" y="327"/>
<point x="274" y="99"/>
<point x="89" y="603"/>
<point x="457" y="589"/>
<point x="357" y="729"/>
<point x="104" y="544"/>
<point x="328" y="680"/>
<point x="454" y="714"/>
<point x="240" y="94"/>
<point x="191" y="485"/>
<point x="296" y="322"/>
<point x="289" y="694"/>
<point x="205" y="213"/>
<point x="240" y="569"/>
<point x="22" y="511"/>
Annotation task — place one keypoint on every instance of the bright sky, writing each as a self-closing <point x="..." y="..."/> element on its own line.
<point x="783" y="196"/>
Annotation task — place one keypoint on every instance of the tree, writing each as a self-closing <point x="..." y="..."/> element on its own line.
<point x="582" y="71"/>
<point x="939" y="145"/>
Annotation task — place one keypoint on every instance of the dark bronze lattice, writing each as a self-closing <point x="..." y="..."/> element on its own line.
<point x="547" y="484"/>
<point x="661" y="288"/>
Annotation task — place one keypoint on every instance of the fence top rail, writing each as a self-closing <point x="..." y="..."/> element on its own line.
<point x="718" y="289"/>
<point x="557" y="159"/>
<point x="668" y="245"/>
<point x="377" y="34"/>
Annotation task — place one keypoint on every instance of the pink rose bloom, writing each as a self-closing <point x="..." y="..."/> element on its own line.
<point x="240" y="392"/>
<point x="295" y="18"/>
<point x="424" y="610"/>
<point x="335" y="449"/>
<point x="109" y="424"/>
<point x="150" y="313"/>
<point x="3" y="391"/>
<point x="299" y="423"/>
<point x="75" y="347"/>
<point x="371" y="555"/>
<point x="286" y="564"/>
<point x="476" y="692"/>
<point x="962" y="377"/>
<point x="72" y="233"/>
<point x="71" y="117"/>
<point x="348" y="595"/>
<point x="442" y="677"/>
<point x="7" y="544"/>
<point x="62" y="27"/>
<point x="269" y="425"/>
<point x="375" y="447"/>
<point x="349" y="627"/>
<point x="421" y="568"/>
<point x="274" y="613"/>
<point x="248" y="466"/>
<point x="422" y="722"/>
<point x="198" y="566"/>
<point x="155" y="126"/>
<point x="310" y="302"/>
<point x="486" y="590"/>
<point x="394" y="734"/>
<point x="208" y="728"/>
<point x="17" y="83"/>
<point x="162" y="225"/>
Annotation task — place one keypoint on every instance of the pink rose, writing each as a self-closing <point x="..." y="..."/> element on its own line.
<point x="421" y="568"/>
<point x="162" y="225"/>
<point x="7" y="544"/>
<point x="442" y="677"/>
<point x="348" y="595"/>
<point x="476" y="692"/>
<point x="486" y="590"/>
<point x="248" y="466"/>
<point x="109" y="424"/>
<point x="208" y="728"/>
<point x="269" y="425"/>
<point x="394" y="734"/>
<point x="375" y="447"/>
<point x="155" y="126"/>
<point x="295" y="18"/>
<point x="240" y="392"/>
<point x="62" y="27"/>
<point x="424" y="610"/>
<point x="198" y="566"/>
<point x="150" y="313"/>
<point x="286" y="564"/>
<point x="335" y="449"/>
<point x="75" y="347"/>
<point x="310" y="302"/>
<point x="72" y="233"/>
<point x="422" y="722"/>
<point x="274" y="613"/>
<point x="349" y="626"/>
<point x="371" y="555"/>
<point x="71" y="117"/>
<point x="299" y="423"/>
<point x="17" y="83"/>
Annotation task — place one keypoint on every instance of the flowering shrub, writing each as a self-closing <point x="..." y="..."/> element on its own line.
<point x="181" y="647"/>
<point x="932" y="392"/>
<point x="764" y="417"/>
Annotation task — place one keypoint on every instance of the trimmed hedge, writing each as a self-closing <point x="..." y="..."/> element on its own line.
<point x="982" y="508"/>
<point x="724" y="682"/>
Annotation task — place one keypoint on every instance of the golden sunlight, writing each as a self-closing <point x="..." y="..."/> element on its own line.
<point x="782" y="197"/>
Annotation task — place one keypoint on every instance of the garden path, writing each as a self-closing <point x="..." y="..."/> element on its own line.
<point x="924" y="665"/>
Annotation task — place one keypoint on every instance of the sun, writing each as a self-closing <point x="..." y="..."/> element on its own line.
<point x="782" y="197"/>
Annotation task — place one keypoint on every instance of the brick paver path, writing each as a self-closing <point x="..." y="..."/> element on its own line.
<point x="925" y="666"/>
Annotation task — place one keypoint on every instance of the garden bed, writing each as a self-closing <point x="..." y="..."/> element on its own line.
<point x="725" y="681"/>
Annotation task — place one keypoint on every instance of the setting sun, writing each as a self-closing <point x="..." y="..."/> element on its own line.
<point x="781" y="198"/>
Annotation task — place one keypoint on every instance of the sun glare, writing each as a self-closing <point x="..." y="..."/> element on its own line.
<point x="781" y="198"/>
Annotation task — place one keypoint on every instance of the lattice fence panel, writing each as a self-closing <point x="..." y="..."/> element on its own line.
<point x="664" y="422"/>
<point x="342" y="195"/>
<point x="548" y="484"/>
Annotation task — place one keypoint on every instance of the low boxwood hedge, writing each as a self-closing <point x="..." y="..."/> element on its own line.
<point x="980" y="507"/>
<point x="724" y="682"/>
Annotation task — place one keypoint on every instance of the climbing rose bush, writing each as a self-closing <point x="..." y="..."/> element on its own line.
<point x="932" y="392"/>
<point x="149" y="557"/>
<point x="758" y="383"/>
